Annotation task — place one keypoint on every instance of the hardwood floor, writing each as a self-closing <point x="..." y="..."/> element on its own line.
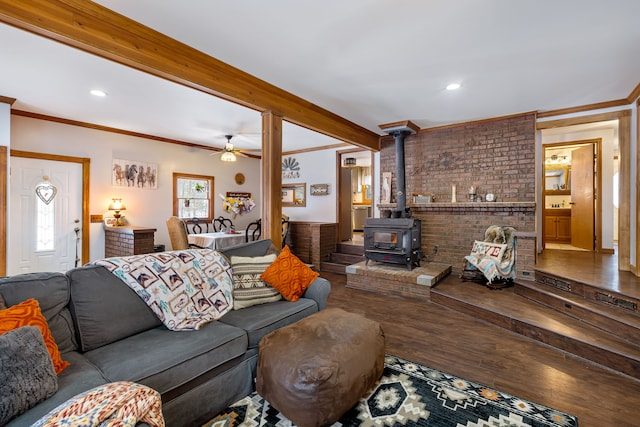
<point x="439" y="337"/>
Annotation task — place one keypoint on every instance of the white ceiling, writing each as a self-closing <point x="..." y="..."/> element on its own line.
<point x="370" y="61"/>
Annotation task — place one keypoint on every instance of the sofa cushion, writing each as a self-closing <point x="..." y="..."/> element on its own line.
<point x="164" y="359"/>
<point x="80" y="376"/>
<point x="52" y="292"/>
<point x="105" y="309"/>
<point x="259" y="320"/>
<point x="27" y="313"/>
<point x="26" y="375"/>
<point x="255" y="248"/>
<point x="289" y="275"/>
<point x="248" y="288"/>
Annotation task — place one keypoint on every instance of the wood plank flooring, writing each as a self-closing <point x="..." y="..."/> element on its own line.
<point x="430" y="334"/>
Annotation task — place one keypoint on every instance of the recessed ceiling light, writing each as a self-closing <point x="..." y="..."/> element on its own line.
<point x="98" y="92"/>
<point x="453" y="86"/>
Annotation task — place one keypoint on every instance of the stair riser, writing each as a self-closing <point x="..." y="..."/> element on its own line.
<point x="350" y="249"/>
<point x="598" y="320"/>
<point x="333" y="268"/>
<point x="629" y="305"/>
<point x="618" y="362"/>
<point x="348" y="259"/>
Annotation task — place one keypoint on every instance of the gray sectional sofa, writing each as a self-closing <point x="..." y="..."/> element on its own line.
<point x="109" y="334"/>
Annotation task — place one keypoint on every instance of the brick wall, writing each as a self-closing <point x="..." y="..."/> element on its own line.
<point x="125" y="241"/>
<point x="495" y="156"/>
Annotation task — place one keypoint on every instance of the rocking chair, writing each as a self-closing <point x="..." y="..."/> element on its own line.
<point x="492" y="262"/>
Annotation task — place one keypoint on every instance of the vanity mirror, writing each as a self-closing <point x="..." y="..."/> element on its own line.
<point x="557" y="179"/>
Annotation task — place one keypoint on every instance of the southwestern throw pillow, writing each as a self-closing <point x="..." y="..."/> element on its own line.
<point x="27" y="376"/>
<point x="28" y="313"/>
<point x="248" y="288"/>
<point x="289" y="275"/>
<point x="494" y="251"/>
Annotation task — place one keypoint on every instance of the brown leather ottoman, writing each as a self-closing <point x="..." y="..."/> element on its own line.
<point x="316" y="369"/>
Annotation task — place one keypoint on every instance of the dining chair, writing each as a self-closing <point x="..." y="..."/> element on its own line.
<point x="178" y="234"/>
<point x="254" y="229"/>
<point x="222" y="223"/>
<point x="285" y="231"/>
<point x="193" y="226"/>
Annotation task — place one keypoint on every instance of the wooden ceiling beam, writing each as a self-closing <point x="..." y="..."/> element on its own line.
<point x="95" y="29"/>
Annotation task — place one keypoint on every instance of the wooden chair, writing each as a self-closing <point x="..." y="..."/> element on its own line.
<point x="254" y="229"/>
<point x="178" y="234"/>
<point x="222" y="223"/>
<point x="285" y="230"/>
<point x="193" y="226"/>
<point x="486" y="270"/>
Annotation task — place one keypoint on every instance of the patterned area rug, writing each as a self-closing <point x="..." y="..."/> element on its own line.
<point x="409" y="394"/>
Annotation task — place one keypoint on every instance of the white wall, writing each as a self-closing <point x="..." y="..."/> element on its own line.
<point x="316" y="167"/>
<point x="608" y="140"/>
<point x="146" y="208"/>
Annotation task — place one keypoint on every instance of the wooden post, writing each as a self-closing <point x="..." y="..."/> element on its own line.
<point x="272" y="177"/>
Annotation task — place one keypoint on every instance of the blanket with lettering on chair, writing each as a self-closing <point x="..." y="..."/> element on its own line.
<point x="495" y="257"/>
<point x="185" y="289"/>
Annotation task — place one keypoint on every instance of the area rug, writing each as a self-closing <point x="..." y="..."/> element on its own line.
<point x="409" y="394"/>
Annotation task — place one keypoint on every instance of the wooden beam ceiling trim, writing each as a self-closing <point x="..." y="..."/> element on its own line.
<point x="7" y="100"/>
<point x="100" y="31"/>
<point x="603" y="117"/>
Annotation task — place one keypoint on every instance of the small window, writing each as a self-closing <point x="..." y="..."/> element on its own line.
<point x="192" y="196"/>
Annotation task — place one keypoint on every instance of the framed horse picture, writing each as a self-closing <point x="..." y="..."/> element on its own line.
<point x="135" y="174"/>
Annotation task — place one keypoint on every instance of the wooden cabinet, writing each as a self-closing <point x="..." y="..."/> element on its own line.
<point x="557" y="225"/>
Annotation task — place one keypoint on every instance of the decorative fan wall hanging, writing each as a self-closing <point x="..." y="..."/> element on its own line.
<point x="290" y="168"/>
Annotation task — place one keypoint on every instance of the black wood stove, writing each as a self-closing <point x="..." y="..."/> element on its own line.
<point x="394" y="240"/>
<point x="397" y="239"/>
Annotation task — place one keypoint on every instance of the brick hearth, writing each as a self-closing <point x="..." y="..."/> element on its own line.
<point x="396" y="279"/>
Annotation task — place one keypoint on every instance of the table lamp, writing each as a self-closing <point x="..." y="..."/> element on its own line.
<point x="116" y="206"/>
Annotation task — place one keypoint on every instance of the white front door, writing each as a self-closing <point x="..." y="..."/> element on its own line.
<point x="42" y="235"/>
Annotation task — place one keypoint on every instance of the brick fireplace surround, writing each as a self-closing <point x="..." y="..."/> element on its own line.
<point x="493" y="156"/>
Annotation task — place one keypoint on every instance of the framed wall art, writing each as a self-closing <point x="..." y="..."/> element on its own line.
<point x="319" y="189"/>
<point x="134" y="174"/>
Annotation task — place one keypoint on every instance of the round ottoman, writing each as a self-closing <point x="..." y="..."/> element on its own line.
<point x="315" y="370"/>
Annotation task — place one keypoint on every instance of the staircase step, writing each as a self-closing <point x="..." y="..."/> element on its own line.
<point x="511" y="311"/>
<point x="333" y="267"/>
<point x="619" y="321"/>
<point x="350" y="249"/>
<point x="347" y="259"/>
<point x="590" y="292"/>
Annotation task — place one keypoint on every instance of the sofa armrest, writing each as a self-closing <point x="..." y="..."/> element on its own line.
<point x="319" y="292"/>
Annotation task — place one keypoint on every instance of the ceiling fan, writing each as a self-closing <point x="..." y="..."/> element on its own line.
<point x="228" y="153"/>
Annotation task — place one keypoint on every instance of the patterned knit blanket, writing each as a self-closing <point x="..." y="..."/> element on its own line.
<point x="118" y="404"/>
<point x="185" y="289"/>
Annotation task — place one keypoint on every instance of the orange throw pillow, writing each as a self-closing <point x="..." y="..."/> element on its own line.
<point x="28" y="313"/>
<point x="290" y="276"/>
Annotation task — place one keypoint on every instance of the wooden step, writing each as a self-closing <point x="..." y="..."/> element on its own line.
<point x="629" y="304"/>
<point x="344" y="248"/>
<point x="618" y="321"/>
<point x="526" y="317"/>
<point x="333" y="267"/>
<point x="345" y="258"/>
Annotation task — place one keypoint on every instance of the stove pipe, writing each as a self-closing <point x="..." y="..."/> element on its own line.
<point x="401" y="198"/>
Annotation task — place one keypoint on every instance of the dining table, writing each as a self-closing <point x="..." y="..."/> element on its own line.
<point x="217" y="240"/>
